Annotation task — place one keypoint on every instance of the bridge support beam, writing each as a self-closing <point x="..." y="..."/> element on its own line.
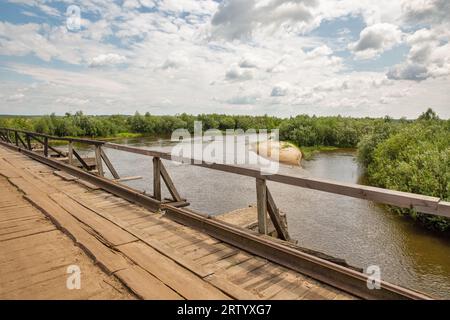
<point x="157" y="178"/>
<point x="160" y="171"/>
<point x="266" y="205"/>
<point x="261" y="203"/>
<point x="98" y="161"/>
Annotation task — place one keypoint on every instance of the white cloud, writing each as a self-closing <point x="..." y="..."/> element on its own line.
<point x="15" y="97"/>
<point x="108" y="59"/>
<point x="241" y="56"/>
<point x="72" y="101"/>
<point x="248" y="62"/>
<point x="375" y="40"/>
<point x="319" y="52"/>
<point x="235" y="73"/>
<point x="243" y="99"/>
<point x="280" y="90"/>
<point x="426" y="11"/>
<point x="429" y="56"/>
<point x="238" y="19"/>
<point x="175" y="61"/>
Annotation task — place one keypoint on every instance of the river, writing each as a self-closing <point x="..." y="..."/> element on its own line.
<point x="356" y="230"/>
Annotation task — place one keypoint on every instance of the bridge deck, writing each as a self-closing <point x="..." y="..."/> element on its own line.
<point x="156" y="258"/>
<point x="34" y="256"/>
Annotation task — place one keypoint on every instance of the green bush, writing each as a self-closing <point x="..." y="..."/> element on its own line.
<point x="415" y="159"/>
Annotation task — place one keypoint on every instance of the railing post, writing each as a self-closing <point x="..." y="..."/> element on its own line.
<point x="46" y="146"/>
<point x="16" y="138"/>
<point x="70" y="153"/>
<point x="157" y="178"/>
<point x="27" y="137"/>
<point x="98" y="160"/>
<point x="261" y="203"/>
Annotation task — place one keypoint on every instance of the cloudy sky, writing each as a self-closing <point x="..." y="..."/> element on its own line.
<point x="280" y="57"/>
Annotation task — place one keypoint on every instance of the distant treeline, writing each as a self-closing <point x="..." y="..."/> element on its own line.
<point x="302" y="130"/>
<point x="405" y="155"/>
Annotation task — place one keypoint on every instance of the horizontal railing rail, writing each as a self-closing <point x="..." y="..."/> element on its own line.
<point x="68" y="139"/>
<point x="422" y="203"/>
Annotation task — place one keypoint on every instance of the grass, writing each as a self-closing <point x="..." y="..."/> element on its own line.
<point x="309" y="152"/>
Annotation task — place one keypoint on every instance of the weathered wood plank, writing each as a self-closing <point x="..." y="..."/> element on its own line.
<point x="107" y="258"/>
<point x="146" y="286"/>
<point x="261" y="203"/>
<point x="65" y="176"/>
<point x="157" y="179"/>
<point x="274" y="214"/>
<point x="168" y="251"/>
<point x="109" y="231"/>
<point x="184" y="282"/>
<point x="169" y="183"/>
<point x="98" y="160"/>
<point x="233" y="290"/>
<point x="109" y="165"/>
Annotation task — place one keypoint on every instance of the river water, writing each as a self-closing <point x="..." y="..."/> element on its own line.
<point x="356" y="230"/>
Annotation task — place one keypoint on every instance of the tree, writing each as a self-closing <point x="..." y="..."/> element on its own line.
<point x="428" y="115"/>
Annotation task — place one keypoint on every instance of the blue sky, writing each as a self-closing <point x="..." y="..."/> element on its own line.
<point x="355" y="58"/>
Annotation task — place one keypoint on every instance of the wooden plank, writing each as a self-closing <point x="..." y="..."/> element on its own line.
<point x="124" y="179"/>
<point x="98" y="160"/>
<point x="290" y="292"/>
<point x="65" y="175"/>
<point x="22" y="142"/>
<point x="146" y="286"/>
<point x="228" y="262"/>
<point x="109" y="164"/>
<point x="184" y="282"/>
<point x="88" y="184"/>
<point x="261" y="200"/>
<point x="202" y="251"/>
<point x="37" y="240"/>
<point x="169" y="183"/>
<point x="70" y="153"/>
<point x="274" y="215"/>
<point x="105" y="257"/>
<point x="216" y="256"/>
<point x="45" y="146"/>
<point x="157" y="178"/>
<point x="6" y="226"/>
<point x="29" y="185"/>
<point x="27" y="232"/>
<point x="196" y="268"/>
<point x="444" y="208"/>
<point x="233" y="290"/>
<point x="240" y="271"/>
<point x="15" y="215"/>
<point x="266" y="273"/>
<point x="28" y="262"/>
<point x="108" y="230"/>
<point x="81" y="160"/>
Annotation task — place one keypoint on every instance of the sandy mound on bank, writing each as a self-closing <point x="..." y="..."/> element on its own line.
<point x="287" y="152"/>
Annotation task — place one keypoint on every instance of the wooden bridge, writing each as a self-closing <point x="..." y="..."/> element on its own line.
<point x="153" y="248"/>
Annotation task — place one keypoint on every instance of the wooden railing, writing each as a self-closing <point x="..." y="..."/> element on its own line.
<point x="266" y="206"/>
